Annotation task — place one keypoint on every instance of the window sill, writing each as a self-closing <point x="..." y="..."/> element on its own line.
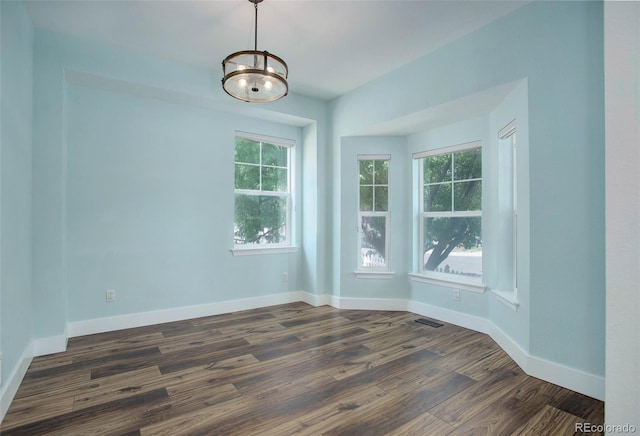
<point x="478" y="288"/>
<point x="385" y="275"/>
<point x="508" y="298"/>
<point x="262" y="250"/>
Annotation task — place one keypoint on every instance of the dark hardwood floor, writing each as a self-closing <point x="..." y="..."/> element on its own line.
<point x="291" y="369"/>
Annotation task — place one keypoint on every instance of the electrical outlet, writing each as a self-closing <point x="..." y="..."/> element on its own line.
<point x="456" y="294"/>
<point x="111" y="295"/>
<point x="285" y="277"/>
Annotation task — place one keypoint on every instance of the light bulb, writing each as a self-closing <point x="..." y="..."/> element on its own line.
<point x="241" y="67"/>
<point x="267" y="84"/>
<point x="242" y="82"/>
<point x="270" y="69"/>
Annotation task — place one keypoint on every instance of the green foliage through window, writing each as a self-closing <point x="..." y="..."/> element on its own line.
<point x="374" y="185"/>
<point x="262" y="192"/>
<point x="452" y="212"/>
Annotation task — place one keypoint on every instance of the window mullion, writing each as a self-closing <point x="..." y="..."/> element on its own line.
<point x="373" y="193"/>
<point x="453" y="177"/>
<point x="260" y="166"/>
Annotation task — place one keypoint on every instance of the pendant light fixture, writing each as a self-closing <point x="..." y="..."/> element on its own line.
<point x="255" y="76"/>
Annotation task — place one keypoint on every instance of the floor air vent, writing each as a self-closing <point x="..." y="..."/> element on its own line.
<point x="429" y="322"/>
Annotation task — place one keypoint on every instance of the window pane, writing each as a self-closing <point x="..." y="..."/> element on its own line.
<point x="468" y="164"/>
<point x="381" y="198"/>
<point x="381" y="172"/>
<point x="366" y="198"/>
<point x="372" y="241"/>
<point x="247" y="151"/>
<point x="437" y="168"/>
<point x="366" y="172"/>
<point x="274" y="179"/>
<point x="468" y="195"/>
<point x="437" y="198"/>
<point x="453" y="245"/>
<point x="247" y="176"/>
<point x="260" y="219"/>
<point x="274" y="155"/>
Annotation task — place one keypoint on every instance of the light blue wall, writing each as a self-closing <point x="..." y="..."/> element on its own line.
<point x="558" y="48"/>
<point x="15" y="185"/>
<point x="514" y="107"/>
<point x="133" y="185"/>
<point x="566" y="134"/>
<point x="150" y="206"/>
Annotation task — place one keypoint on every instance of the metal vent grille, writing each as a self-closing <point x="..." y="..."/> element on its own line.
<point x="429" y="322"/>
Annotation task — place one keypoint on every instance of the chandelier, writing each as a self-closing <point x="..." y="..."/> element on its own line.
<point x="255" y="76"/>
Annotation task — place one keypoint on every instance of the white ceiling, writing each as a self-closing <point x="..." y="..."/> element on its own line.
<point x="331" y="47"/>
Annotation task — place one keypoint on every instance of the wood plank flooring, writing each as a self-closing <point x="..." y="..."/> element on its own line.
<point x="291" y="369"/>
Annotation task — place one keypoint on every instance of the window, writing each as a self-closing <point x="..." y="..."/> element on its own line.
<point x="263" y="194"/>
<point x="507" y="209"/>
<point x="373" y="216"/>
<point x="450" y="219"/>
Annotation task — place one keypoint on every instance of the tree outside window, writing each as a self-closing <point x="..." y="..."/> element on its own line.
<point x="451" y="212"/>
<point x="373" y="216"/>
<point x="262" y="212"/>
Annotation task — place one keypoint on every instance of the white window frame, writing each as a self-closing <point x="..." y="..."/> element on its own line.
<point x="365" y="271"/>
<point x="434" y="277"/>
<point x="270" y="248"/>
<point x="510" y="296"/>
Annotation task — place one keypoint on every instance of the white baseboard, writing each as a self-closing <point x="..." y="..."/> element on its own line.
<point x="511" y="347"/>
<point x="101" y="325"/>
<point x="316" y="299"/>
<point x="51" y="344"/>
<point x="570" y="378"/>
<point x="369" y="303"/>
<point x="567" y="377"/>
<point x="10" y="388"/>
<point x="553" y="372"/>
<point x="461" y="319"/>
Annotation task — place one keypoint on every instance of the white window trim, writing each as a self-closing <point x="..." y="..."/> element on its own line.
<point x="510" y="297"/>
<point x="283" y="142"/>
<point x="383" y="272"/>
<point x="447" y="150"/>
<point x="259" y="250"/>
<point x="374" y="157"/>
<point x="289" y="245"/>
<point x="507" y="130"/>
<point x="443" y="279"/>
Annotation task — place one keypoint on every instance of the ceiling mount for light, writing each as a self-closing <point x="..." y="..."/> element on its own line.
<point x="255" y="76"/>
